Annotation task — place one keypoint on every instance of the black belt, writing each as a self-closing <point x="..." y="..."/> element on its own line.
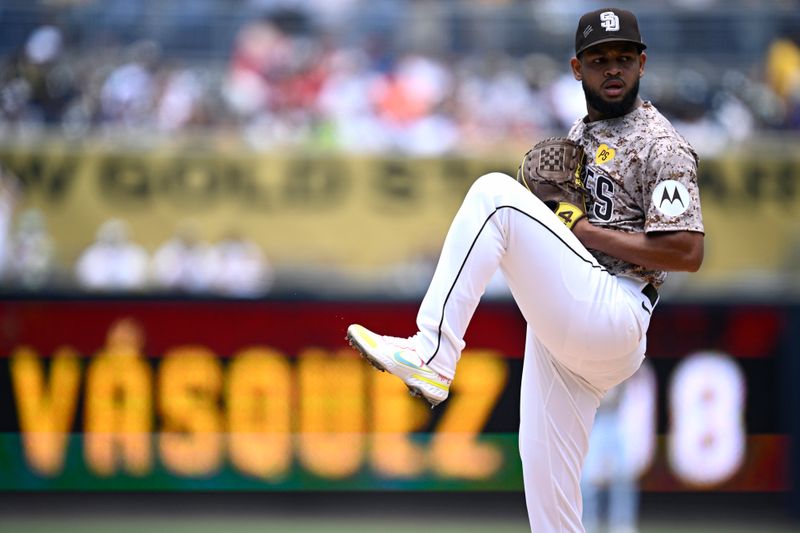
<point x="651" y="293"/>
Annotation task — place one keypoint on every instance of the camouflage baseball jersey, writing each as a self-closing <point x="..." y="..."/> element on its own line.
<point x="642" y="177"/>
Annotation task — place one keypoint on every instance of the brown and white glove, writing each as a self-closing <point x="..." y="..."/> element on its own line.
<point x="553" y="171"/>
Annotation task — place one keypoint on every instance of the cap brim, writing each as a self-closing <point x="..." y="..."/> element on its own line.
<point x="641" y="45"/>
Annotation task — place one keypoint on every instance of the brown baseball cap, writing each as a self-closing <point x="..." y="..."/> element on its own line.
<point x="607" y="25"/>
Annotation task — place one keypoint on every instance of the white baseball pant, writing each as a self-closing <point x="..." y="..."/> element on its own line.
<point x="586" y="331"/>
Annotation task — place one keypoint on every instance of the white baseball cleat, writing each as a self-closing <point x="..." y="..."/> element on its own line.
<point x="399" y="357"/>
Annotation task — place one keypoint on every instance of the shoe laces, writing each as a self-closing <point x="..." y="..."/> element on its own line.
<point x="404" y="343"/>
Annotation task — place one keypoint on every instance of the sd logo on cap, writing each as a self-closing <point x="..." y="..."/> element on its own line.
<point x="607" y="25"/>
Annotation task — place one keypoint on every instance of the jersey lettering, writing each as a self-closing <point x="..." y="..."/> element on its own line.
<point x="603" y="193"/>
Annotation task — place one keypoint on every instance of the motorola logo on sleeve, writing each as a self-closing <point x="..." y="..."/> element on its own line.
<point x="671" y="198"/>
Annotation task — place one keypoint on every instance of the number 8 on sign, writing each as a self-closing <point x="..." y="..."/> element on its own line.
<point x="707" y="437"/>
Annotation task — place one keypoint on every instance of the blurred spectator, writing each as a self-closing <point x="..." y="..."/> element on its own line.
<point x="50" y="78"/>
<point x="112" y="262"/>
<point x="241" y="269"/>
<point x="274" y="79"/>
<point x="44" y="45"/>
<point x="128" y="94"/>
<point x="408" y="103"/>
<point x="9" y="196"/>
<point x="605" y="468"/>
<point x="621" y="446"/>
<point x="783" y="74"/>
<point x="181" y="102"/>
<point x="567" y="100"/>
<point x="783" y="67"/>
<point x="344" y="102"/>
<point x="260" y="53"/>
<point x="38" y="83"/>
<point x="184" y="263"/>
<point x="32" y="255"/>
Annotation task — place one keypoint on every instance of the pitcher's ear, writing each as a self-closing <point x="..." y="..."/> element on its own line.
<point x="575" y="63"/>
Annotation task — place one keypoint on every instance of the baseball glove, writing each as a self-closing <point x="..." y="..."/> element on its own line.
<point x="553" y="171"/>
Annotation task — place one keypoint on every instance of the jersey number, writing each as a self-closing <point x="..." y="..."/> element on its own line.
<point x="566" y="216"/>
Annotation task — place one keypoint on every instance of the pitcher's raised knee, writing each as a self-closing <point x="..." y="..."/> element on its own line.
<point x="493" y="183"/>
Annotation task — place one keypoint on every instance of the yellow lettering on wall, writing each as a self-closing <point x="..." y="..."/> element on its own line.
<point x="189" y="387"/>
<point x="258" y="396"/>
<point x="46" y="410"/>
<point x="455" y="452"/>
<point x="118" y="413"/>
<point x="395" y="414"/>
<point x="331" y="412"/>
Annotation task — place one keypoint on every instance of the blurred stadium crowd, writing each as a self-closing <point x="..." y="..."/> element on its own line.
<point x="335" y="74"/>
<point x="115" y="263"/>
<point x="413" y="77"/>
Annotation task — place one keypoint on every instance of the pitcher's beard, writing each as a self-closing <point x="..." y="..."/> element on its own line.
<point x="610" y="109"/>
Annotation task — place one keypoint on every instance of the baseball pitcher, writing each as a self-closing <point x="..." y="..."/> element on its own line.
<point x="614" y="207"/>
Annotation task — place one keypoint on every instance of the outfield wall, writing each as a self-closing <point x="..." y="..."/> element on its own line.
<point x="340" y="211"/>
